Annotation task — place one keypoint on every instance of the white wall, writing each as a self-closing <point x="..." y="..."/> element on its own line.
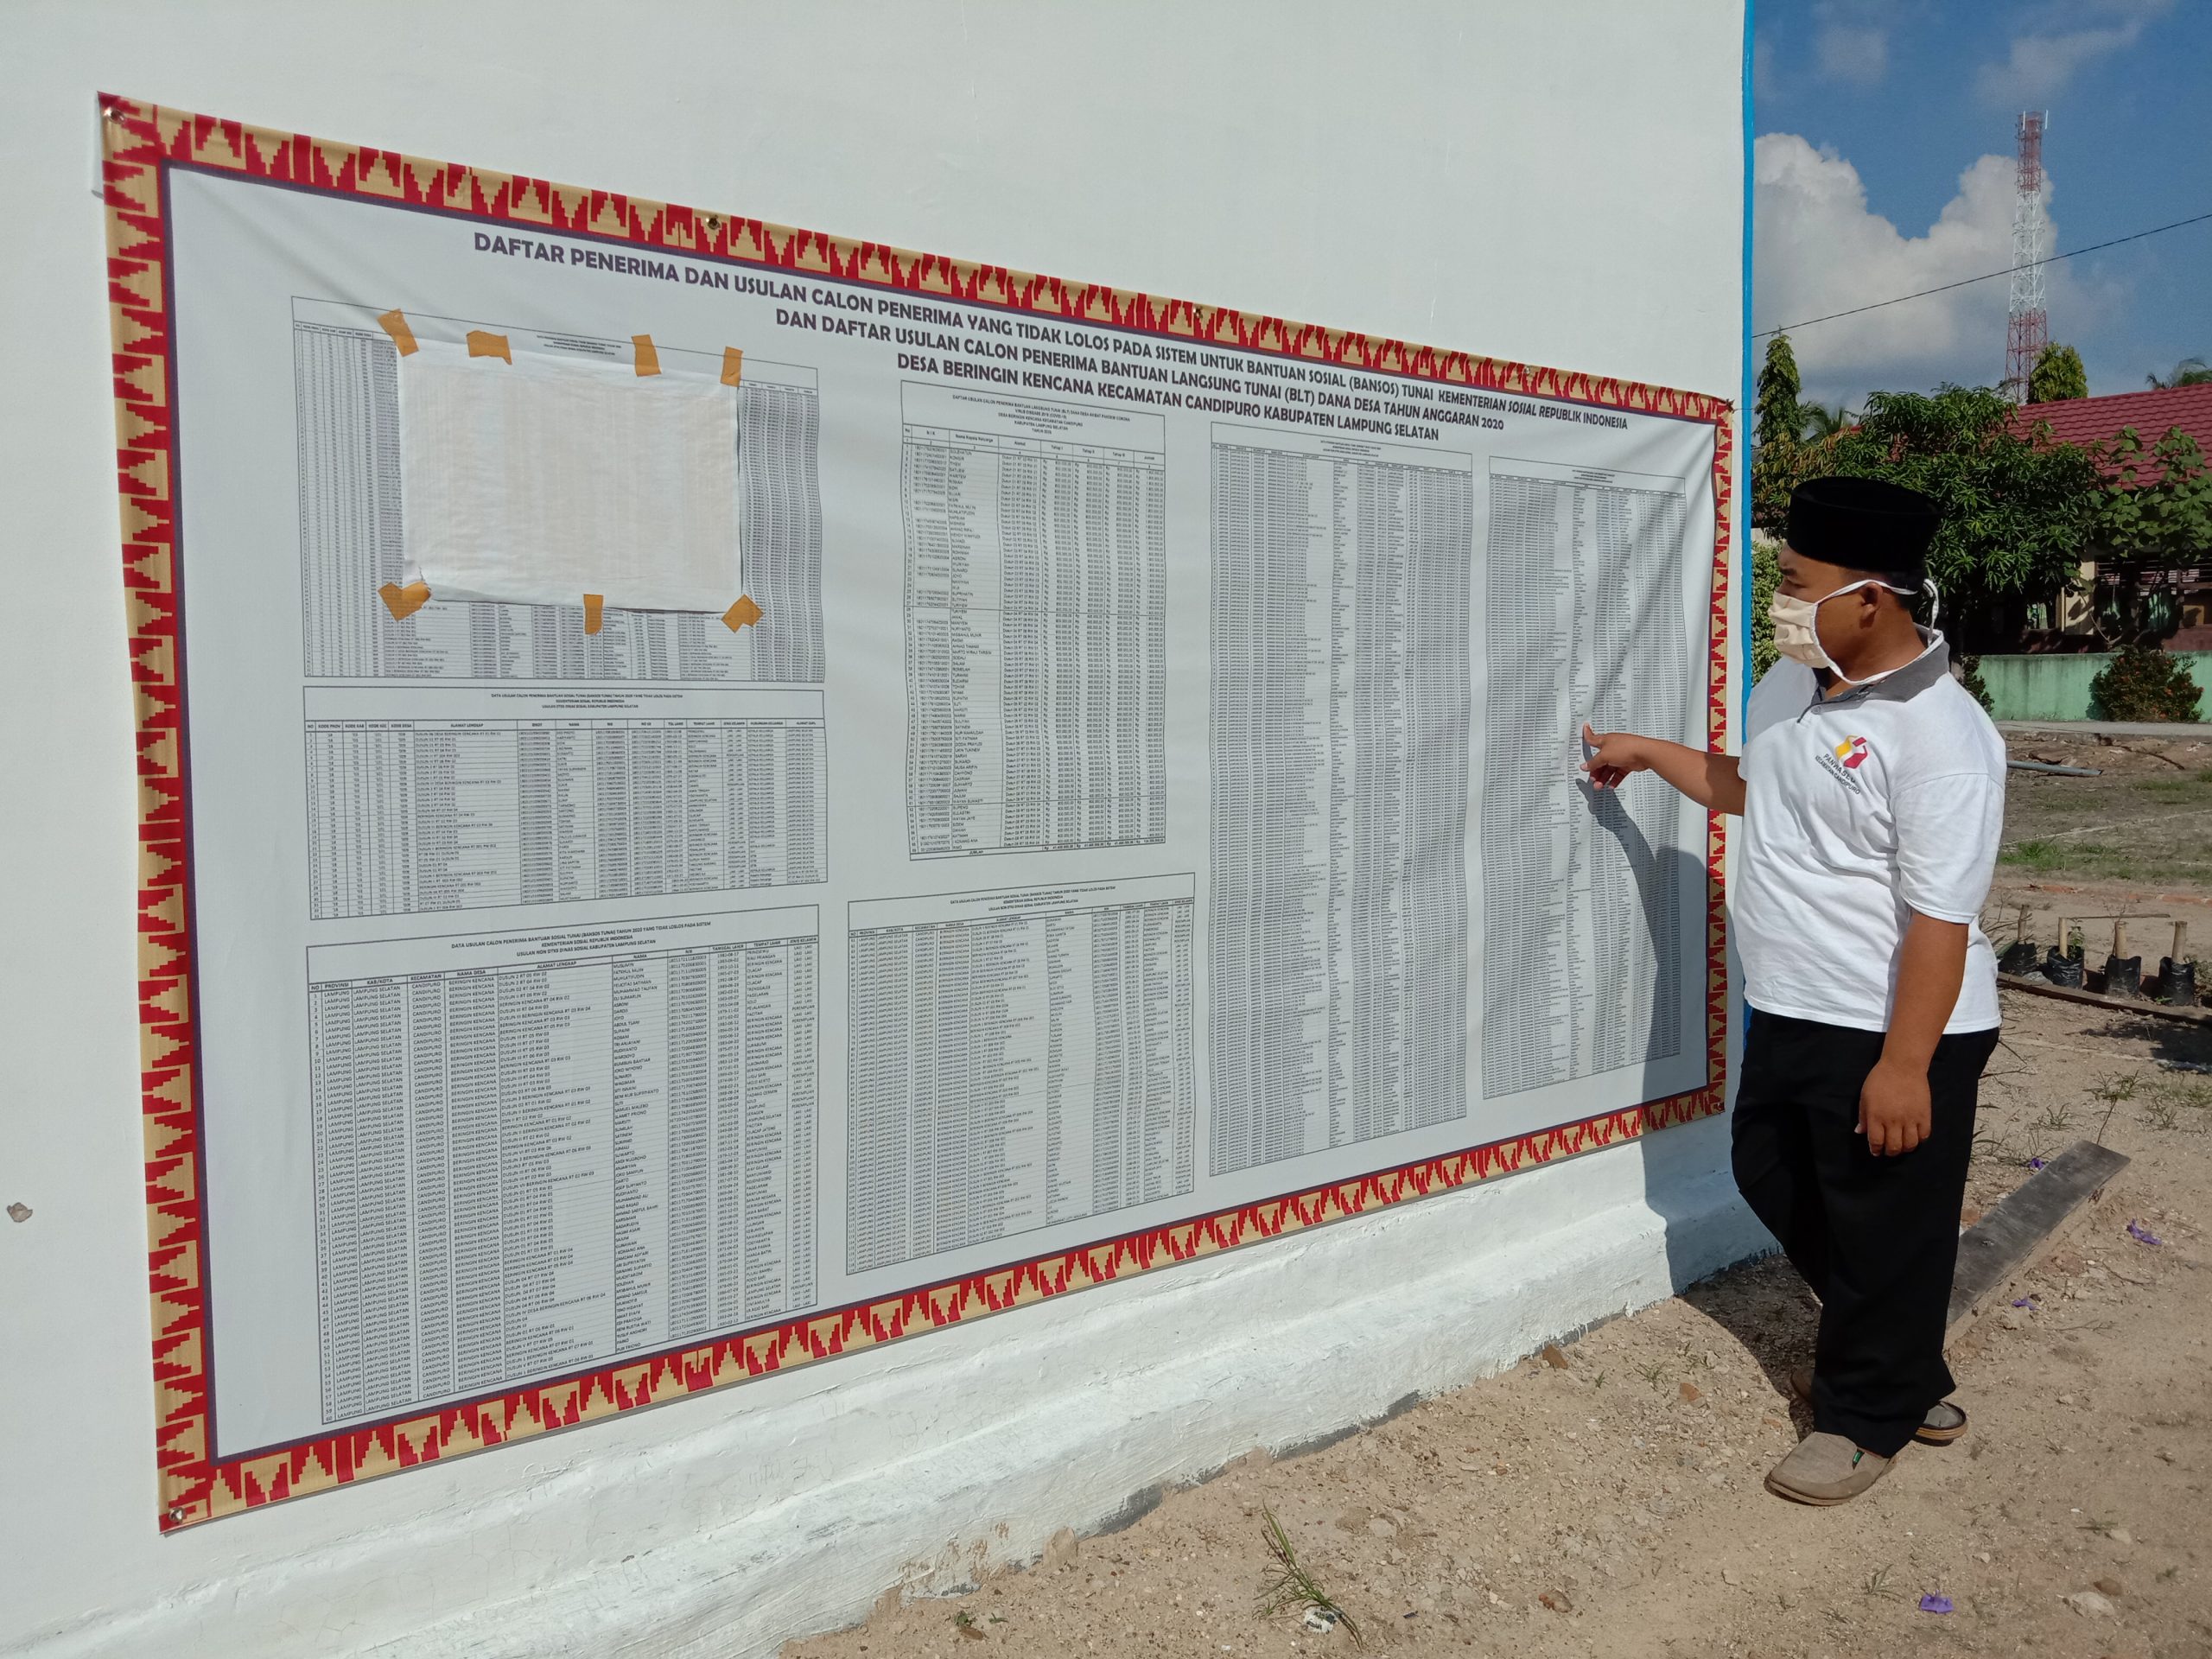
<point x="1559" y="184"/>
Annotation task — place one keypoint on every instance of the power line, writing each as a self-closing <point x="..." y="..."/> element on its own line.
<point x="1987" y="276"/>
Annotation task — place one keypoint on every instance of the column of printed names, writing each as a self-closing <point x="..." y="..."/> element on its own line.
<point x="1340" y="699"/>
<point x="1582" y="968"/>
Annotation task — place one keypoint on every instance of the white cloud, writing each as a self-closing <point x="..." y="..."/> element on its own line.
<point x="2042" y="62"/>
<point x="1859" y="56"/>
<point x="1819" y="250"/>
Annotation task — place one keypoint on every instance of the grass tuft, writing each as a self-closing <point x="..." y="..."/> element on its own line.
<point x="1993" y="1145"/>
<point x="2039" y="855"/>
<point x="1293" y="1584"/>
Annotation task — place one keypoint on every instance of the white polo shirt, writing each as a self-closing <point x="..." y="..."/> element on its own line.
<point x="1858" y="810"/>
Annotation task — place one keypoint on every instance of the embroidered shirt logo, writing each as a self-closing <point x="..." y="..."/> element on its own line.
<point x="1842" y="762"/>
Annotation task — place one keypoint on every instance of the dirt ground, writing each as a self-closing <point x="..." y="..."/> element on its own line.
<point x="2142" y="827"/>
<point x="1606" y="1499"/>
<point x="1612" y="1505"/>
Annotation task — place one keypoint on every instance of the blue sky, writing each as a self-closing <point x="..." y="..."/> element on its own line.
<point x="1884" y="164"/>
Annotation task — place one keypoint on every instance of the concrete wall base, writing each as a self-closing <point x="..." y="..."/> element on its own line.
<point x="789" y="1508"/>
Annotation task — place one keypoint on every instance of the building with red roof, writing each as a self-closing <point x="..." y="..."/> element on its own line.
<point x="2183" y="597"/>
<point x="2092" y="421"/>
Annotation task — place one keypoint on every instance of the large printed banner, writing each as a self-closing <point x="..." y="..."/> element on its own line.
<point x="714" y="795"/>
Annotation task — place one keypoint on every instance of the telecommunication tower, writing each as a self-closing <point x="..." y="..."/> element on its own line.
<point x="2027" y="330"/>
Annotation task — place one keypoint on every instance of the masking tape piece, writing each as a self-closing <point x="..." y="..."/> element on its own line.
<point x="732" y="365"/>
<point x="743" y="612"/>
<point x="404" y="602"/>
<point x="395" y="324"/>
<point x="483" y="345"/>
<point x="648" y="359"/>
<point x="594" y="605"/>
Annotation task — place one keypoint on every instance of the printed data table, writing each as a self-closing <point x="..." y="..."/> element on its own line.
<point x="536" y="1152"/>
<point x="1017" y="1060"/>
<point x="1036" y="624"/>
<point x="426" y="799"/>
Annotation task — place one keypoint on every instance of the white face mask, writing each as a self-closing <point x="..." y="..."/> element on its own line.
<point x="1796" y="634"/>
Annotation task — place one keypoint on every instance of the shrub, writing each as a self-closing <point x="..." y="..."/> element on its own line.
<point x="2141" y="682"/>
<point x="1970" y="678"/>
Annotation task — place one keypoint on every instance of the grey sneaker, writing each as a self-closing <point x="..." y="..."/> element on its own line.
<point x="1826" y="1468"/>
<point x="1945" y="1422"/>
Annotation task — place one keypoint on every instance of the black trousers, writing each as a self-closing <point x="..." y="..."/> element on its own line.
<point x="1876" y="1238"/>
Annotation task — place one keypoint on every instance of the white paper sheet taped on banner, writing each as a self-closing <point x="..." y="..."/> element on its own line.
<point x="1149" y="790"/>
<point x="538" y="481"/>
<point x="345" y="395"/>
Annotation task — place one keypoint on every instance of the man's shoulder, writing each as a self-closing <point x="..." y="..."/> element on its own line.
<point x="1786" y="687"/>
<point x="1951" y="733"/>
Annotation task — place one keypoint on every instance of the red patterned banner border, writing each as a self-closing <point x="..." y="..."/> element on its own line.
<point x="140" y="139"/>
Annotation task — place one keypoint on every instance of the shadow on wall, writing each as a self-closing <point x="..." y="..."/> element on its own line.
<point x="1687" y="1180"/>
<point x="1669" y="884"/>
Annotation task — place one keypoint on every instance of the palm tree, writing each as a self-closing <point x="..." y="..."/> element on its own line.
<point x="2190" y="371"/>
<point x="1822" y="421"/>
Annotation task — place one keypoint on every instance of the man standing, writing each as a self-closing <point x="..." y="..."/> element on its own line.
<point x="1872" y="788"/>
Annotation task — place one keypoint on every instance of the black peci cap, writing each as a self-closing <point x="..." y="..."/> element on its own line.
<point x="1863" y="524"/>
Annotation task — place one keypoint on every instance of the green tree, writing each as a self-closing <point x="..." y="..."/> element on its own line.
<point x="2190" y="371"/>
<point x="2057" y="375"/>
<point x="1766" y="576"/>
<point x="1775" y="396"/>
<point x="1822" y="421"/>
<point x="2017" y="509"/>
<point x="2158" y="513"/>
<point x="2155" y="513"/>
<point x="1778" y="458"/>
